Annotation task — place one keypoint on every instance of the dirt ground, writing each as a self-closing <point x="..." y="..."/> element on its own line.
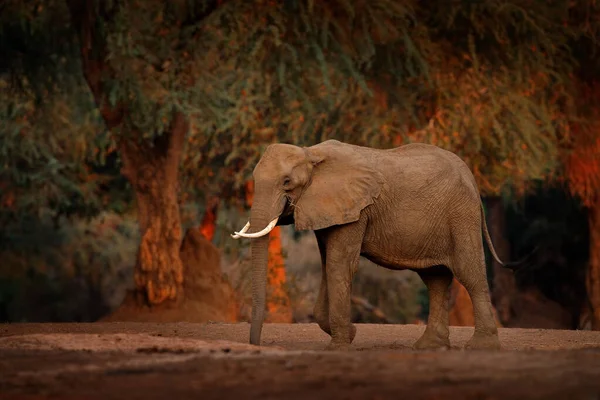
<point x="213" y="361"/>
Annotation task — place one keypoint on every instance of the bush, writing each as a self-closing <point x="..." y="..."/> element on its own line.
<point x="76" y="271"/>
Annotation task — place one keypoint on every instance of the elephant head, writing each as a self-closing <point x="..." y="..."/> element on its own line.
<point x="320" y="186"/>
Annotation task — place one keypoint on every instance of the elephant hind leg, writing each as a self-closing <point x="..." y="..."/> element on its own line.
<point x="321" y="310"/>
<point x="470" y="271"/>
<point x="438" y="280"/>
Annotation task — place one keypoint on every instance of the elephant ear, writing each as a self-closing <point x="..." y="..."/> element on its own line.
<point x="343" y="183"/>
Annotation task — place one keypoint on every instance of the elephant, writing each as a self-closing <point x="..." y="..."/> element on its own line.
<point x="413" y="207"/>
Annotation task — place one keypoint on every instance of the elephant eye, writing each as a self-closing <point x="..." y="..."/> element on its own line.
<point x="286" y="181"/>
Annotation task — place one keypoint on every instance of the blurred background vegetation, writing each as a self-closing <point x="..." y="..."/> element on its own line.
<point x="127" y="126"/>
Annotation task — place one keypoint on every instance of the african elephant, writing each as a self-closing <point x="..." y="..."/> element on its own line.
<point x="412" y="207"/>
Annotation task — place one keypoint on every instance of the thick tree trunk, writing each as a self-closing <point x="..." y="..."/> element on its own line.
<point x="153" y="172"/>
<point x="593" y="272"/>
<point x="209" y="220"/>
<point x="503" y="286"/>
<point x="461" y="308"/>
<point x="278" y="301"/>
<point x="152" y="169"/>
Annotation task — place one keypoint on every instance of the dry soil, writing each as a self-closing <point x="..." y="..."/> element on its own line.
<point x="213" y="361"/>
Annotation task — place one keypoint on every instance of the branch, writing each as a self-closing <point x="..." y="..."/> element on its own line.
<point x="193" y="21"/>
<point x="177" y="134"/>
<point x="128" y="154"/>
<point x="366" y="305"/>
<point x="94" y="53"/>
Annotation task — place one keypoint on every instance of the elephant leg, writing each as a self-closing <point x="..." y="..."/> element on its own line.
<point x="343" y="246"/>
<point x="469" y="269"/>
<point x="321" y="310"/>
<point x="438" y="280"/>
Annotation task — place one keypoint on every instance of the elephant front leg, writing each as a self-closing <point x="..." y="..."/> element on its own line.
<point x="340" y="322"/>
<point x="343" y="252"/>
<point x="321" y="310"/>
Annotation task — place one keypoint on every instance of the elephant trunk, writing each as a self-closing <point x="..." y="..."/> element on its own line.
<point x="260" y="254"/>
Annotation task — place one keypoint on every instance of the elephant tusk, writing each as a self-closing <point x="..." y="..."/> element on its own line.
<point x="264" y="232"/>
<point x="244" y="230"/>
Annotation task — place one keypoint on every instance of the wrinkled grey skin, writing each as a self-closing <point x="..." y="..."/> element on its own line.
<point x="413" y="207"/>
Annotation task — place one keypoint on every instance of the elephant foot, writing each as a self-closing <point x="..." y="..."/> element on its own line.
<point x="337" y="346"/>
<point x="352" y="332"/>
<point x="431" y="341"/>
<point x="482" y="341"/>
<point x="324" y="327"/>
<point x="342" y="338"/>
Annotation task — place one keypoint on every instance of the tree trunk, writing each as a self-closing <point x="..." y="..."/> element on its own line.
<point x="152" y="170"/>
<point x="461" y="308"/>
<point x="503" y="286"/>
<point x="153" y="173"/>
<point x="593" y="272"/>
<point x="209" y="220"/>
<point x="278" y="301"/>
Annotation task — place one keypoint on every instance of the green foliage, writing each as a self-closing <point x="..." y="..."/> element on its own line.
<point x="48" y="153"/>
<point x="53" y="143"/>
<point x="38" y="47"/>
<point x="508" y="91"/>
<point x="298" y="72"/>
<point x="54" y="156"/>
<point x="489" y="80"/>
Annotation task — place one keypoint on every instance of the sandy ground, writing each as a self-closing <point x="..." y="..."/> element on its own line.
<point x="213" y="361"/>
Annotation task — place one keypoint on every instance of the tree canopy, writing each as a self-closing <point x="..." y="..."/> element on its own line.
<point x="491" y="81"/>
<point x="54" y="145"/>
<point x="488" y="80"/>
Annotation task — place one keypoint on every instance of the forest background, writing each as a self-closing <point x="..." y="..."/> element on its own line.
<point x="129" y="130"/>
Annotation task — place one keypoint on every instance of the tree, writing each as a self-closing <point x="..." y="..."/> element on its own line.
<point x="582" y="173"/>
<point x="581" y="141"/>
<point x="209" y="221"/>
<point x="44" y="172"/>
<point x="500" y="104"/>
<point x="112" y="53"/>
<point x="54" y="148"/>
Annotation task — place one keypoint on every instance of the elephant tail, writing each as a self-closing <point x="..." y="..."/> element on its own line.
<point x="510" y="265"/>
